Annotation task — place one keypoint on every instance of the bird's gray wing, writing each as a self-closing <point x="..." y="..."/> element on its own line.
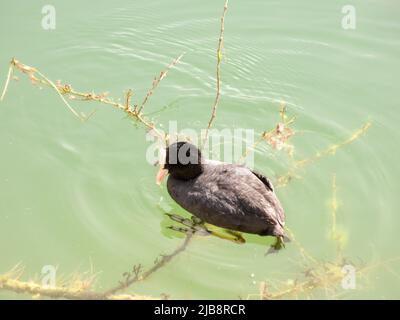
<point x="264" y="180"/>
<point x="225" y="195"/>
<point x="273" y="199"/>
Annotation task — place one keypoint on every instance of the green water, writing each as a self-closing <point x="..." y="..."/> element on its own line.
<point x="82" y="196"/>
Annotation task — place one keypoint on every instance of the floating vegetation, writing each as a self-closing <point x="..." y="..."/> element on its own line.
<point x="316" y="276"/>
<point x="79" y="288"/>
<point x="284" y="179"/>
<point x="67" y="91"/>
<point x="276" y="137"/>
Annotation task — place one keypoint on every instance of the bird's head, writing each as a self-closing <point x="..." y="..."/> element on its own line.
<point x="182" y="161"/>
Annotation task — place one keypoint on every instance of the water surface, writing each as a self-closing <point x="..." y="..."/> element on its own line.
<point x="82" y="195"/>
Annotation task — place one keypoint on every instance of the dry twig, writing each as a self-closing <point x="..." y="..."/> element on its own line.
<point x="137" y="275"/>
<point x="218" y="88"/>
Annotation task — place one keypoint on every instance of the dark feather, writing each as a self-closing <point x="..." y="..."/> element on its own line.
<point x="264" y="180"/>
<point x="232" y="197"/>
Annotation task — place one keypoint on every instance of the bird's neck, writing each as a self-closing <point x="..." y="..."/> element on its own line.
<point x="187" y="172"/>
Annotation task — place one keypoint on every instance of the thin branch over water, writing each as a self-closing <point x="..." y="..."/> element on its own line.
<point x="157" y="81"/>
<point x="218" y="74"/>
<point x="66" y="90"/>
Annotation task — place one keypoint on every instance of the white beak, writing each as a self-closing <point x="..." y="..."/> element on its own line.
<point x="161" y="172"/>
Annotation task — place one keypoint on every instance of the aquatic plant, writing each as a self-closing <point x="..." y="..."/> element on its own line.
<point x="276" y="137"/>
<point x="313" y="277"/>
<point x="331" y="150"/>
<point x="80" y="286"/>
<point x="318" y="276"/>
<point x="66" y="90"/>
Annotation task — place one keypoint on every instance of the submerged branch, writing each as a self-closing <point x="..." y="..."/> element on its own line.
<point x="336" y="235"/>
<point x="11" y="282"/>
<point x="80" y="290"/>
<point x="316" y="274"/>
<point x="137" y="275"/>
<point x="9" y="74"/>
<point x="283" y="180"/>
<point x="324" y="276"/>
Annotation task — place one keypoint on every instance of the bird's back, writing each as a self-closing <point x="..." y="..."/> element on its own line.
<point x="232" y="197"/>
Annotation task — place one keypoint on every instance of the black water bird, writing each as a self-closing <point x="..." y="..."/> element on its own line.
<point x="226" y="195"/>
